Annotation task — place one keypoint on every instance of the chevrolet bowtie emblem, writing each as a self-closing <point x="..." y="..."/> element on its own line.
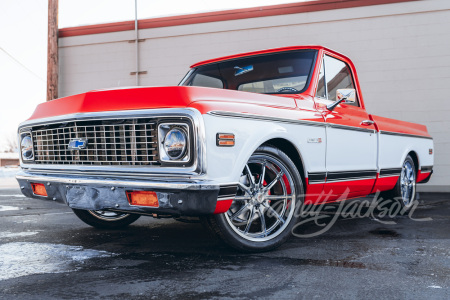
<point x="78" y="144"/>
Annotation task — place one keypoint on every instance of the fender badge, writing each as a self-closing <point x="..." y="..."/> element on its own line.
<point x="77" y="144"/>
<point x="315" y="140"/>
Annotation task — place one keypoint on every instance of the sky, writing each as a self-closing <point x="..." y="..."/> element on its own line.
<point x="23" y="42"/>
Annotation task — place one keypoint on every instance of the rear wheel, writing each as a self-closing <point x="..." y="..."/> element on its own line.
<point x="404" y="191"/>
<point x="105" y="219"/>
<point x="262" y="214"/>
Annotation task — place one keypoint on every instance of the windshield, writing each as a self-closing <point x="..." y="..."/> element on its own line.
<point x="280" y="73"/>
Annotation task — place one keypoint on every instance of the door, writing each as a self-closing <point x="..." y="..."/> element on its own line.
<point x="351" y="150"/>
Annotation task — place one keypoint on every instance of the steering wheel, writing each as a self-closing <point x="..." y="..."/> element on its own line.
<point x="286" y="88"/>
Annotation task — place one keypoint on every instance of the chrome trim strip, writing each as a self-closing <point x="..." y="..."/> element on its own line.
<point x="126" y="173"/>
<point x="291" y="121"/>
<point x="351" y="179"/>
<point x="154" y="184"/>
<point x="264" y="118"/>
<point x="405" y="135"/>
<point x="138" y="113"/>
<point x="389" y="175"/>
<point x="198" y="167"/>
<point x="352" y="128"/>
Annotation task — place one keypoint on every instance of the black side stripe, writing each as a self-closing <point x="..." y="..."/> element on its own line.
<point x="319" y="177"/>
<point x="390" y="172"/>
<point x="425" y="169"/>
<point x="349" y="175"/>
<point x="316" y="177"/>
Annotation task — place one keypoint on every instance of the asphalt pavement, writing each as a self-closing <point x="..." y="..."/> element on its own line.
<point x="47" y="253"/>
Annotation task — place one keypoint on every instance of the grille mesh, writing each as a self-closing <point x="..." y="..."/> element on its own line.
<point x="109" y="142"/>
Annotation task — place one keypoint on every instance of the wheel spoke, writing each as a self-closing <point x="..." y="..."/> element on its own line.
<point x="270" y="185"/>
<point x="278" y="197"/>
<point x="406" y="198"/>
<point x="263" y="174"/>
<point x="250" y="220"/>
<point x="411" y="177"/>
<point x="245" y="188"/>
<point x="250" y="176"/>
<point x="239" y="212"/>
<point x="263" y="221"/>
<point x="273" y="211"/>
<point x="242" y="198"/>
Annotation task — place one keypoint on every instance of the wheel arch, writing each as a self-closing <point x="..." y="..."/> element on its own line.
<point x="415" y="159"/>
<point x="291" y="150"/>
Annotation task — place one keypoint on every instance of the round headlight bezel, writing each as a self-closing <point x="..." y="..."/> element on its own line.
<point x="166" y="133"/>
<point x="26" y="146"/>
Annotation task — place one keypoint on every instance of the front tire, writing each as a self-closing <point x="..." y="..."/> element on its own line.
<point x="263" y="212"/>
<point x="105" y="219"/>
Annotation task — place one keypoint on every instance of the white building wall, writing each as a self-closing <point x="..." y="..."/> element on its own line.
<point x="401" y="51"/>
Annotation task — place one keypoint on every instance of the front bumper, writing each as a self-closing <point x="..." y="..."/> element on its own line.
<point x="182" y="197"/>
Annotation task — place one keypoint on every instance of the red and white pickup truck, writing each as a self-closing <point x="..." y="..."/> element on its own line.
<point x="243" y="142"/>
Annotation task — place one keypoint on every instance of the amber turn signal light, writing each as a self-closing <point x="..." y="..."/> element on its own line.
<point x="39" y="189"/>
<point x="143" y="198"/>
<point x="225" y="139"/>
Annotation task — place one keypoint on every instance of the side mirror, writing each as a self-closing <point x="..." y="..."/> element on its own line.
<point x="349" y="94"/>
<point x="343" y="95"/>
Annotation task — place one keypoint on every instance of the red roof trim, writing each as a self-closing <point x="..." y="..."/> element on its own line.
<point x="273" y="50"/>
<point x="226" y="15"/>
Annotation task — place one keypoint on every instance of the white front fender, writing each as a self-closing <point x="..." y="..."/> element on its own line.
<point x="225" y="164"/>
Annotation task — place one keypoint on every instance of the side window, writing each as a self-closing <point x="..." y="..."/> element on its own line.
<point x="338" y="76"/>
<point x="321" y="92"/>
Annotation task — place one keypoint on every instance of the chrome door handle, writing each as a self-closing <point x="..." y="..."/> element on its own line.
<point x="367" y="122"/>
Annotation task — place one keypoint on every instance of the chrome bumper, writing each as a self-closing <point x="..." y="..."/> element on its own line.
<point x="186" y="197"/>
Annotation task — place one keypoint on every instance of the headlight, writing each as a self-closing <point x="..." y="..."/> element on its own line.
<point x="26" y="147"/>
<point x="174" y="142"/>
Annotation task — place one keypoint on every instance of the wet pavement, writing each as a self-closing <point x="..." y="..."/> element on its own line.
<point x="47" y="253"/>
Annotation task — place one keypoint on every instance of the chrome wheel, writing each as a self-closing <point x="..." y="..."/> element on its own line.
<point x="107" y="215"/>
<point x="265" y="204"/>
<point x="407" y="183"/>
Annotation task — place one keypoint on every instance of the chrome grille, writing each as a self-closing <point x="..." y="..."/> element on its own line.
<point x="109" y="142"/>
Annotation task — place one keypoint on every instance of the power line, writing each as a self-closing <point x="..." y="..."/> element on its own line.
<point x="21" y="64"/>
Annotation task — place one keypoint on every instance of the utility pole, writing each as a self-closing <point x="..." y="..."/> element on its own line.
<point x="52" y="51"/>
<point x="136" y="31"/>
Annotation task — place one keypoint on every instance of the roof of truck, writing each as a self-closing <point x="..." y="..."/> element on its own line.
<point x="266" y="51"/>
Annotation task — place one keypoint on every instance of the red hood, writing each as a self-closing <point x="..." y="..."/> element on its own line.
<point x="151" y="97"/>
